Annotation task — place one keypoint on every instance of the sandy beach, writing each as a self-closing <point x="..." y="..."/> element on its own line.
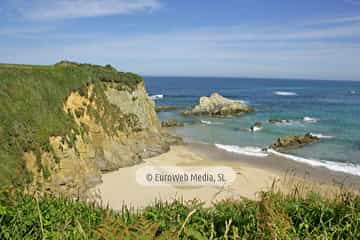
<point x="253" y="175"/>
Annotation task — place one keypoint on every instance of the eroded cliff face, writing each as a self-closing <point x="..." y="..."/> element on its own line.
<point x="107" y="138"/>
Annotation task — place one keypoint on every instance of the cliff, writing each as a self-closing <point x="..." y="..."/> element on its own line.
<point x="63" y="125"/>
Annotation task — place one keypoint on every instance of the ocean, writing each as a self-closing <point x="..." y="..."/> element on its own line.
<point x="328" y="109"/>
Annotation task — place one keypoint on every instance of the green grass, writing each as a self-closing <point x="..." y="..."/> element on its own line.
<point x="275" y="216"/>
<point x="31" y="100"/>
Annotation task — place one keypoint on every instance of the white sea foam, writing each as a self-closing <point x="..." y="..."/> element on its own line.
<point x="310" y="119"/>
<point x="334" y="166"/>
<point x="305" y="119"/>
<point x="283" y="93"/>
<point x="353" y="92"/>
<point x="286" y="122"/>
<point x="258" y="152"/>
<point x="158" y="96"/>
<point x="255" y="129"/>
<point x="249" y="151"/>
<point x="205" y="122"/>
<point x="210" y="123"/>
<point x="242" y="102"/>
<point x="322" y="136"/>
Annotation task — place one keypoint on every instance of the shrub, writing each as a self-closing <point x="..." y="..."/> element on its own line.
<point x="275" y="216"/>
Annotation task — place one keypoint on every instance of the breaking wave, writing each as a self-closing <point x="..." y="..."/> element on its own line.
<point x="249" y="151"/>
<point x="310" y="119"/>
<point x="158" y="96"/>
<point x="283" y="93"/>
<point x="334" y="166"/>
<point x="210" y="122"/>
<point x="255" y="129"/>
<point x="348" y="168"/>
<point x="322" y="136"/>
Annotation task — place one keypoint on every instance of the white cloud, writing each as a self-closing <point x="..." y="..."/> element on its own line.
<point x="270" y="34"/>
<point x="331" y="51"/>
<point x="67" y="9"/>
<point x="231" y="51"/>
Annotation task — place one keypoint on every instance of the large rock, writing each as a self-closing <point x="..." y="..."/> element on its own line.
<point x="293" y="141"/>
<point x="171" y="123"/>
<point x="219" y="105"/>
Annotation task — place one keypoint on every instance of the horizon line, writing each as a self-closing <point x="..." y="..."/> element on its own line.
<point x="249" y="77"/>
<point x="196" y="76"/>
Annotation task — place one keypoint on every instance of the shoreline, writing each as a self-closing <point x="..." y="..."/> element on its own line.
<point x="281" y="165"/>
<point x="253" y="175"/>
<point x="278" y="163"/>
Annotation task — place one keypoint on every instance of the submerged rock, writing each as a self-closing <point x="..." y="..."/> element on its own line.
<point x="276" y="121"/>
<point x="256" y="127"/>
<point x="171" y="123"/>
<point x="164" y="108"/>
<point x="219" y="105"/>
<point x="293" y="141"/>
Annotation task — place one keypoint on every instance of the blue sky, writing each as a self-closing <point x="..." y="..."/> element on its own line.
<point x="315" y="39"/>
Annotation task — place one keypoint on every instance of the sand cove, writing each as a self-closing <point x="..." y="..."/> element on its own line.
<point x="253" y="175"/>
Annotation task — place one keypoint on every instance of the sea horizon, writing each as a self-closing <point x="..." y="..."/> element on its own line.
<point x="247" y="77"/>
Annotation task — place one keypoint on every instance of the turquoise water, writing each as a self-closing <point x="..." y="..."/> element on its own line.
<point x="333" y="105"/>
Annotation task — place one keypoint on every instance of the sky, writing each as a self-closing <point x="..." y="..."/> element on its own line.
<point x="307" y="39"/>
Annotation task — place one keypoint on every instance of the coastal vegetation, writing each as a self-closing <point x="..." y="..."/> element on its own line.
<point x="274" y="216"/>
<point x="31" y="107"/>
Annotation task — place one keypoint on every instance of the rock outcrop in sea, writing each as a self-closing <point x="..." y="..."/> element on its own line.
<point x="219" y="105"/>
<point x="294" y="141"/>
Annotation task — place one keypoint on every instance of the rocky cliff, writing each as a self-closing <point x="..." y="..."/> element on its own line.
<point x="113" y="124"/>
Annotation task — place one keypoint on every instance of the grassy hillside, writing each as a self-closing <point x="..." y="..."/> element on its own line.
<point x="31" y="99"/>
<point x="274" y="217"/>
